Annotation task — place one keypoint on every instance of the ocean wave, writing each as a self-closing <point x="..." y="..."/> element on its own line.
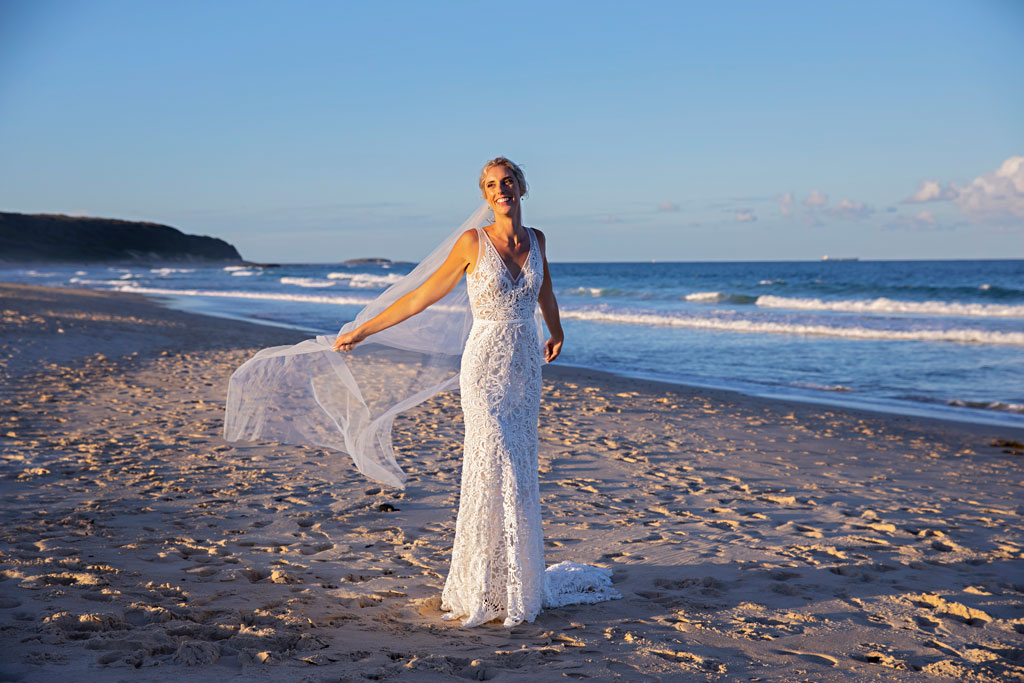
<point x="593" y="291"/>
<point x="307" y="282"/>
<point x="883" y="305"/>
<point x="945" y="292"/>
<point x="243" y="273"/>
<point x="989" y="405"/>
<point x="168" y="271"/>
<point x="997" y="292"/>
<point x="963" y="336"/>
<point x="720" y="297"/>
<point x="822" y="387"/>
<point x="234" y="268"/>
<point x="366" y="280"/>
<point x="267" y="296"/>
<point x="85" y="281"/>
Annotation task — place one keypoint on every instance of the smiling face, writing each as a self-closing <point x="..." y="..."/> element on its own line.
<point x="501" y="190"/>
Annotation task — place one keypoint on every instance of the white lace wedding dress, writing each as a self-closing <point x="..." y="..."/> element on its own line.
<point x="497" y="568"/>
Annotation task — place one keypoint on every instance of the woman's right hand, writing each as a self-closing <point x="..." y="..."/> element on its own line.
<point x="435" y="288"/>
<point x="348" y="340"/>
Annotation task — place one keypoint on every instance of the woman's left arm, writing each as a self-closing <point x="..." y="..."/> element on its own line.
<point x="549" y="307"/>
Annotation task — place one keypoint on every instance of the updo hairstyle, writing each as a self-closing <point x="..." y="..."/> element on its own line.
<point x="511" y="166"/>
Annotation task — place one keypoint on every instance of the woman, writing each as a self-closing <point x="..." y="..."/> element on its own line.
<point x="301" y="394"/>
<point x="498" y="558"/>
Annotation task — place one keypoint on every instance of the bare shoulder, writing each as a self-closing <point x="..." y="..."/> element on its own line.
<point x="541" y="239"/>
<point x="466" y="249"/>
<point x="468" y="242"/>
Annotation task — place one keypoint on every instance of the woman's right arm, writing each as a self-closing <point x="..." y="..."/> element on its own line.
<point x="444" y="279"/>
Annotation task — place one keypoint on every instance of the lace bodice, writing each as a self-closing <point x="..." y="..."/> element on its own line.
<point x="494" y="295"/>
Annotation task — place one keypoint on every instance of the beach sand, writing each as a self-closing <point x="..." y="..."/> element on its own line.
<point x="751" y="539"/>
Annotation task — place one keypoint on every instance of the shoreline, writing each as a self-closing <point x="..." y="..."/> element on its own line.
<point x="555" y="371"/>
<point x="577" y="374"/>
<point x="931" y="411"/>
<point x="749" y="537"/>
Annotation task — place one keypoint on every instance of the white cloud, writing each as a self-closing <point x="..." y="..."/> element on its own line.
<point x="815" y="210"/>
<point x="745" y="215"/>
<point x="998" y="195"/>
<point x="786" y="204"/>
<point x="925" y="218"/>
<point x="931" y="191"/>
<point x="922" y="220"/>
<point x="816" y="199"/>
<point x="848" y="210"/>
<point x="668" y="206"/>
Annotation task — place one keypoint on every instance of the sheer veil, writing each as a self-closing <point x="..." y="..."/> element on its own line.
<point x="310" y="394"/>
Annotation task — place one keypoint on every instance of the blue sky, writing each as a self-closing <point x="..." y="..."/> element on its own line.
<point x="321" y="131"/>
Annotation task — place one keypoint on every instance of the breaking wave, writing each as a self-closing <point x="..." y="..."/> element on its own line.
<point x="989" y="405"/>
<point x="306" y="282"/>
<point x="268" y="296"/>
<point x="963" y="336"/>
<point x="168" y="271"/>
<point x="720" y="297"/>
<point x="883" y="305"/>
<point x="593" y="291"/>
<point x="366" y="280"/>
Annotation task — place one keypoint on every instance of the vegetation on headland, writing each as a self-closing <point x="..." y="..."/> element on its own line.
<point x="36" y="238"/>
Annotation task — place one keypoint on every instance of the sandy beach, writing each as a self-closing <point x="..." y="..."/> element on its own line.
<point x="751" y="539"/>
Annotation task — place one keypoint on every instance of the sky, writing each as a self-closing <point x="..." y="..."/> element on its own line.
<point x="671" y="131"/>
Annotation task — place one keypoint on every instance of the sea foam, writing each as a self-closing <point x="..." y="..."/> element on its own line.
<point x="883" y="305"/>
<point x="267" y="296"/>
<point x="306" y="282"/>
<point x="168" y="271"/>
<point x="719" y="297"/>
<point x="965" y="336"/>
<point x="366" y="280"/>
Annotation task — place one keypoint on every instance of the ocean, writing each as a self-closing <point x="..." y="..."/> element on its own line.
<point x="935" y="338"/>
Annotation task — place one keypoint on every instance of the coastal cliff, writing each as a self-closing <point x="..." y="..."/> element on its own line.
<point x="58" y="238"/>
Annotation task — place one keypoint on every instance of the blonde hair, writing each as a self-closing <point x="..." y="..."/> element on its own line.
<point x="512" y="167"/>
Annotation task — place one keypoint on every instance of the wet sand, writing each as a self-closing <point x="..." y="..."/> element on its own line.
<point x="752" y="539"/>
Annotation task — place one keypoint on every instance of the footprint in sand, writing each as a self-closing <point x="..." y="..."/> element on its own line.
<point x="315" y="548"/>
<point x="628" y="671"/>
<point x="255" y="575"/>
<point x="811" y="657"/>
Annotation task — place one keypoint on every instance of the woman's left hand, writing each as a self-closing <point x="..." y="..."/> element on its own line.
<point x="552" y="348"/>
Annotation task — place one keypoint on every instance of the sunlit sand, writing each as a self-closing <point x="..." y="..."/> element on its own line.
<point x="749" y="537"/>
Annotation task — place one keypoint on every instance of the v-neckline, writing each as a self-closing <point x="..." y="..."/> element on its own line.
<point x="515" y="279"/>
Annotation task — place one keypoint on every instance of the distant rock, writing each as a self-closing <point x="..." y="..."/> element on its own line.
<point x="366" y="261"/>
<point x="49" y="238"/>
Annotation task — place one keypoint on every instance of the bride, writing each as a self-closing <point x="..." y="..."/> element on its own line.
<point x="497" y="567"/>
